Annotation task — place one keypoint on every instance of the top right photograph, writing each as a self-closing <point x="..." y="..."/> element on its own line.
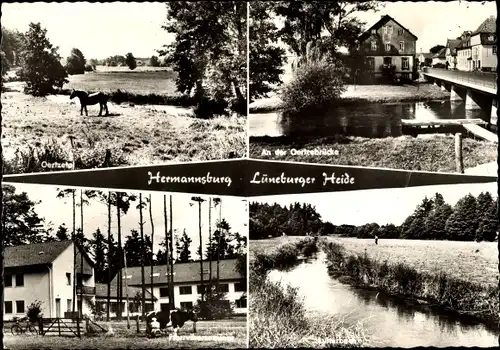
<point x="401" y="85"/>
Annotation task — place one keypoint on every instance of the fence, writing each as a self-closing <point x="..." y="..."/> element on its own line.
<point x="485" y="79"/>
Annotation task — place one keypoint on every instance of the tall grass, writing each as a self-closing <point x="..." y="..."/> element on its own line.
<point x="464" y="297"/>
<point x="277" y="315"/>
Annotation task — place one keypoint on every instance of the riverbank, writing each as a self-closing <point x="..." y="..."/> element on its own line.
<point x="434" y="153"/>
<point x="455" y="283"/>
<point x="357" y="94"/>
<point x="277" y="315"/>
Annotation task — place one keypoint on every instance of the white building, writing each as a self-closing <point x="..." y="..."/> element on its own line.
<point x="187" y="286"/>
<point x="45" y="272"/>
<point x="439" y="57"/>
<point x="483" y="45"/>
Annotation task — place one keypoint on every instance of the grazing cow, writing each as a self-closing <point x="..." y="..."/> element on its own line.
<point x="92" y="99"/>
<point x="173" y="318"/>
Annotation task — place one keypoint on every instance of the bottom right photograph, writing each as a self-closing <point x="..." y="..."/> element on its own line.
<point x="405" y="267"/>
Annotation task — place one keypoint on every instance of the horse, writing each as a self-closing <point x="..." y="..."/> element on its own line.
<point x="173" y="318"/>
<point x="90" y="99"/>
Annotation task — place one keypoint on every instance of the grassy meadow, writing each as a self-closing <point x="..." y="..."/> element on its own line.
<point x="232" y="334"/>
<point x="426" y="154"/>
<point x="51" y="128"/>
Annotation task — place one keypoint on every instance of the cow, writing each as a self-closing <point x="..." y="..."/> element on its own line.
<point x="172" y="318"/>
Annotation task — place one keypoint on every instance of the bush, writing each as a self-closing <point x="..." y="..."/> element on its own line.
<point x="89" y="68"/>
<point x="314" y="88"/>
<point x="34" y="311"/>
<point x="214" y="306"/>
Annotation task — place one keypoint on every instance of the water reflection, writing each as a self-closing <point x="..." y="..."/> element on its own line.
<point x="388" y="321"/>
<point x="366" y="120"/>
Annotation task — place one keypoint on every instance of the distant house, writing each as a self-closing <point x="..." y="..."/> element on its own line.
<point x="389" y="45"/>
<point x="44" y="272"/>
<point x="424" y="58"/>
<point x="483" y="45"/>
<point x="451" y="53"/>
<point x="101" y="299"/>
<point x="439" y="57"/>
<point x="187" y="285"/>
<point x="464" y="53"/>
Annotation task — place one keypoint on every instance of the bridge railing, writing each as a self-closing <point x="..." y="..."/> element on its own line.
<point x="485" y="79"/>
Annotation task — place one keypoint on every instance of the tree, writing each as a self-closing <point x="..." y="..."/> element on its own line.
<point x="130" y="61"/>
<point x="462" y="223"/>
<point x="183" y="248"/>
<point x="487" y="214"/>
<point x="209" y="53"/>
<point x="62" y="233"/>
<point x="98" y="248"/>
<point x="435" y="49"/>
<point x="76" y="62"/>
<point x="12" y="45"/>
<point x="266" y="56"/>
<point x="154" y="61"/>
<point x="41" y="68"/>
<point x="20" y="222"/>
<point x="134" y="246"/>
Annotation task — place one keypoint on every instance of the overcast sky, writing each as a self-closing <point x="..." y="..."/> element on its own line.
<point x="382" y="206"/>
<point x="59" y="211"/>
<point x="99" y="30"/>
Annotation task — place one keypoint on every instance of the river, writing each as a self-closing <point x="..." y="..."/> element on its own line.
<point x="388" y="321"/>
<point x="368" y="119"/>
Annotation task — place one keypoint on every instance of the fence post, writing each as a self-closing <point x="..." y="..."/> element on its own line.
<point x="59" y="326"/>
<point x="40" y="326"/>
<point x="78" y="327"/>
<point x="459" y="161"/>
<point x="137" y="324"/>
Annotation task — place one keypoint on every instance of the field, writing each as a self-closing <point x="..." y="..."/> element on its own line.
<point x="426" y="154"/>
<point x="268" y="246"/>
<point x="368" y="94"/>
<point x="138" y="81"/>
<point x="135" y="134"/>
<point x="232" y="333"/>
<point x="470" y="261"/>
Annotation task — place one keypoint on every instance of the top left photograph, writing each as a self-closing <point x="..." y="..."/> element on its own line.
<point x="98" y="85"/>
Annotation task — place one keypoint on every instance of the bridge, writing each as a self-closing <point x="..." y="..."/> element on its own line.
<point x="477" y="89"/>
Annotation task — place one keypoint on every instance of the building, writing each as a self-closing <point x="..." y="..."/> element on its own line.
<point x="483" y="46"/>
<point x="424" y="58"/>
<point x="464" y="54"/>
<point x="134" y="294"/>
<point x="451" y="53"/>
<point x="389" y="45"/>
<point x="439" y="58"/>
<point x="45" y="272"/>
<point x="187" y="285"/>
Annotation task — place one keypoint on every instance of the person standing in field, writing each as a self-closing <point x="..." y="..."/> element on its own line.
<point x="376" y="239"/>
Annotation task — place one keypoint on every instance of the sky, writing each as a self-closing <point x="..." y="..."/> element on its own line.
<point x="185" y="216"/>
<point x="432" y="22"/>
<point x="382" y="206"/>
<point x="99" y="30"/>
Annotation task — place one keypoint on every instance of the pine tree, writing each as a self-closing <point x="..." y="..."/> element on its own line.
<point x="462" y="223"/>
<point x="182" y="247"/>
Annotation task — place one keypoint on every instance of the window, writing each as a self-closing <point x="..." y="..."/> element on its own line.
<point x="374" y="45"/>
<point x="68" y="278"/>
<point x="240" y="287"/>
<point x="478" y="64"/>
<point x="69" y="305"/>
<point x="389" y="29"/>
<point x="387" y="60"/>
<point x="374" y="31"/>
<point x="224" y="288"/>
<point x="201" y="289"/>
<point x="494" y="50"/>
<point x="401" y="45"/>
<point x="371" y="61"/>
<point x="387" y="47"/>
<point x="20" y="306"/>
<point x="241" y="303"/>
<point x="385" y="30"/>
<point x="156" y="274"/>
<point x="405" y="63"/>
<point x="19" y="280"/>
<point x="491" y="38"/>
<point x="164" y="306"/>
<point x="8" y="280"/>
<point x="400" y="31"/>
<point x="8" y="307"/>
<point x="149" y="307"/>
<point x="186" y="305"/>
<point x="185" y="290"/>
<point x="164" y="292"/>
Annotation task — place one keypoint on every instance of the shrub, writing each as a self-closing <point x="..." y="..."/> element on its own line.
<point x="313" y="89"/>
<point x="34" y="311"/>
<point x="214" y="306"/>
<point x="89" y="68"/>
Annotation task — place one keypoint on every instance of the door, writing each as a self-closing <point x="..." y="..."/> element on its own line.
<point x="58" y="308"/>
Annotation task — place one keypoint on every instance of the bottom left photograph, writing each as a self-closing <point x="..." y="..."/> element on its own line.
<point x="93" y="268"/>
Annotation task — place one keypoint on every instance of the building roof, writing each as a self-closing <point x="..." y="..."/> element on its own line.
<point x="487" y="27"/>
<point x="452" y="44"/>
<point x="441" y="53"/>
<point x="101" y="291"/>
<point x="380" y="23"/>
<point x="188" y="273"/>
<point x="34" y="254"/>
<point x="426" y="54"/>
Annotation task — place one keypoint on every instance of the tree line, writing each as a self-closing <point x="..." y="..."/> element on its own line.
<point x="21" y="224"/>
<point x="470" y="219"/>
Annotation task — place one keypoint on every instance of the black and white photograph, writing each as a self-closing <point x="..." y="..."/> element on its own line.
<point x="402" y="85"/>
<point x="96" y="85"/>
<point x="406" y="267"/>
<point x="98" y="269"/>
